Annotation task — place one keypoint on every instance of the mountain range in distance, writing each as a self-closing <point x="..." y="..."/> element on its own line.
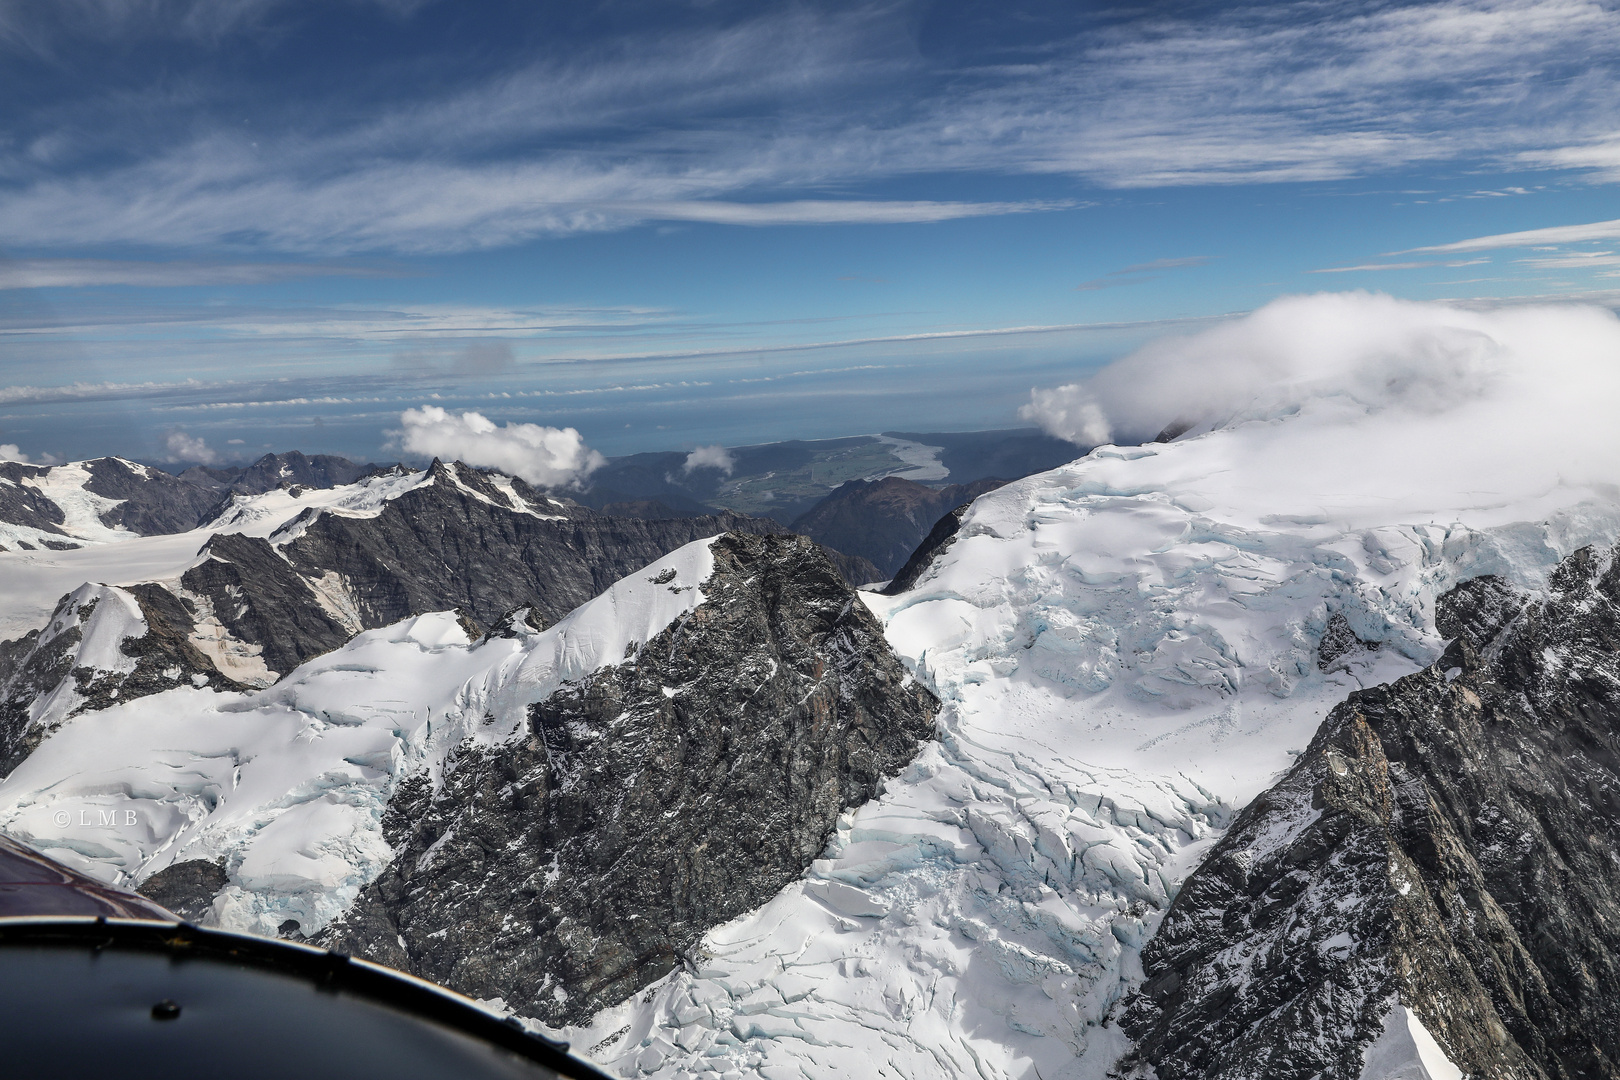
<point x="871" y="497"/>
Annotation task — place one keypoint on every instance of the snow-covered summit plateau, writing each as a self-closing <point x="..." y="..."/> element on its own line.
<point x="1132" y="647"/>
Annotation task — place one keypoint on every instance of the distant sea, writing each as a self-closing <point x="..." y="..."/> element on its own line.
<point x="620" y="407"/>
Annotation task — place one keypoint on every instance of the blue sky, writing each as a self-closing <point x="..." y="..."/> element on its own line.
<point x="275" y="225"/>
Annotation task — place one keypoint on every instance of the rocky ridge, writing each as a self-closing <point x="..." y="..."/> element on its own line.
<point x="289" y="469"/>
<point x="480" y="543"/>
<point x="101" y="645"/>
<point x="657" y="798"/>
<point x="1446" y="842"/>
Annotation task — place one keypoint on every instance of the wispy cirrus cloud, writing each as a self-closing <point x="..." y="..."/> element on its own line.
<point x="1600" y="157"/>
<point x="1572" y="260"/>
<point x="1547" y="237"/>
<point x="833" y="211"/>
<point x="41" y="28"/>
<point x="421" y="208"/>
<point x="1379" y="267"/>
<point x="73" y="273"/>
<point x="1140" y="272"/>
<point x="781" y="117"/>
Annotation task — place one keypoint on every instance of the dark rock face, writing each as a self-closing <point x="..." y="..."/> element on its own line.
<point x="153" y="502"/>
<point x="23" y="504"/>
<point x="458" y="543"/>
<point x="884" y="520"/>
<point x="1448" y="840"/>
<point x="939" y="538"/>
<point x="186" y="888"/>
<point x="164" y="656"/>
<point x="651" y="801"/>
<point x="293" y="468"/>
<point x="263" y="601"/>
<point x="28" y="672"/>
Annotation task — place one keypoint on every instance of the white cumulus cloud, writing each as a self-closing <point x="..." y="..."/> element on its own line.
<point x="10" y="452"/>
<point x="183" y="447"/>
<point x="1523" y="374"/>
<point x="544" y="456"/>
<point x="710" y="457"/>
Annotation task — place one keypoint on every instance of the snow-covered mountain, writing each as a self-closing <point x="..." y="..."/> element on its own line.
<point x="1128" y="651"/>
<point x="59" y="507"/>
<point x="731" y="699"/>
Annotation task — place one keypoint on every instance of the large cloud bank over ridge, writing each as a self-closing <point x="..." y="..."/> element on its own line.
<point x="545" y="456"/>
<point x="1356" y="405"/>
<point x="1363" y="351"/>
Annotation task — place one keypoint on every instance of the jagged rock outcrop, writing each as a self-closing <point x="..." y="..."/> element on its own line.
<point x="1448" y="841"/>
<point x="652" y="800"/>
<point x="186" y="888"/>
<point x="1338" y="641"/>
<point x="884" y="520"/>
